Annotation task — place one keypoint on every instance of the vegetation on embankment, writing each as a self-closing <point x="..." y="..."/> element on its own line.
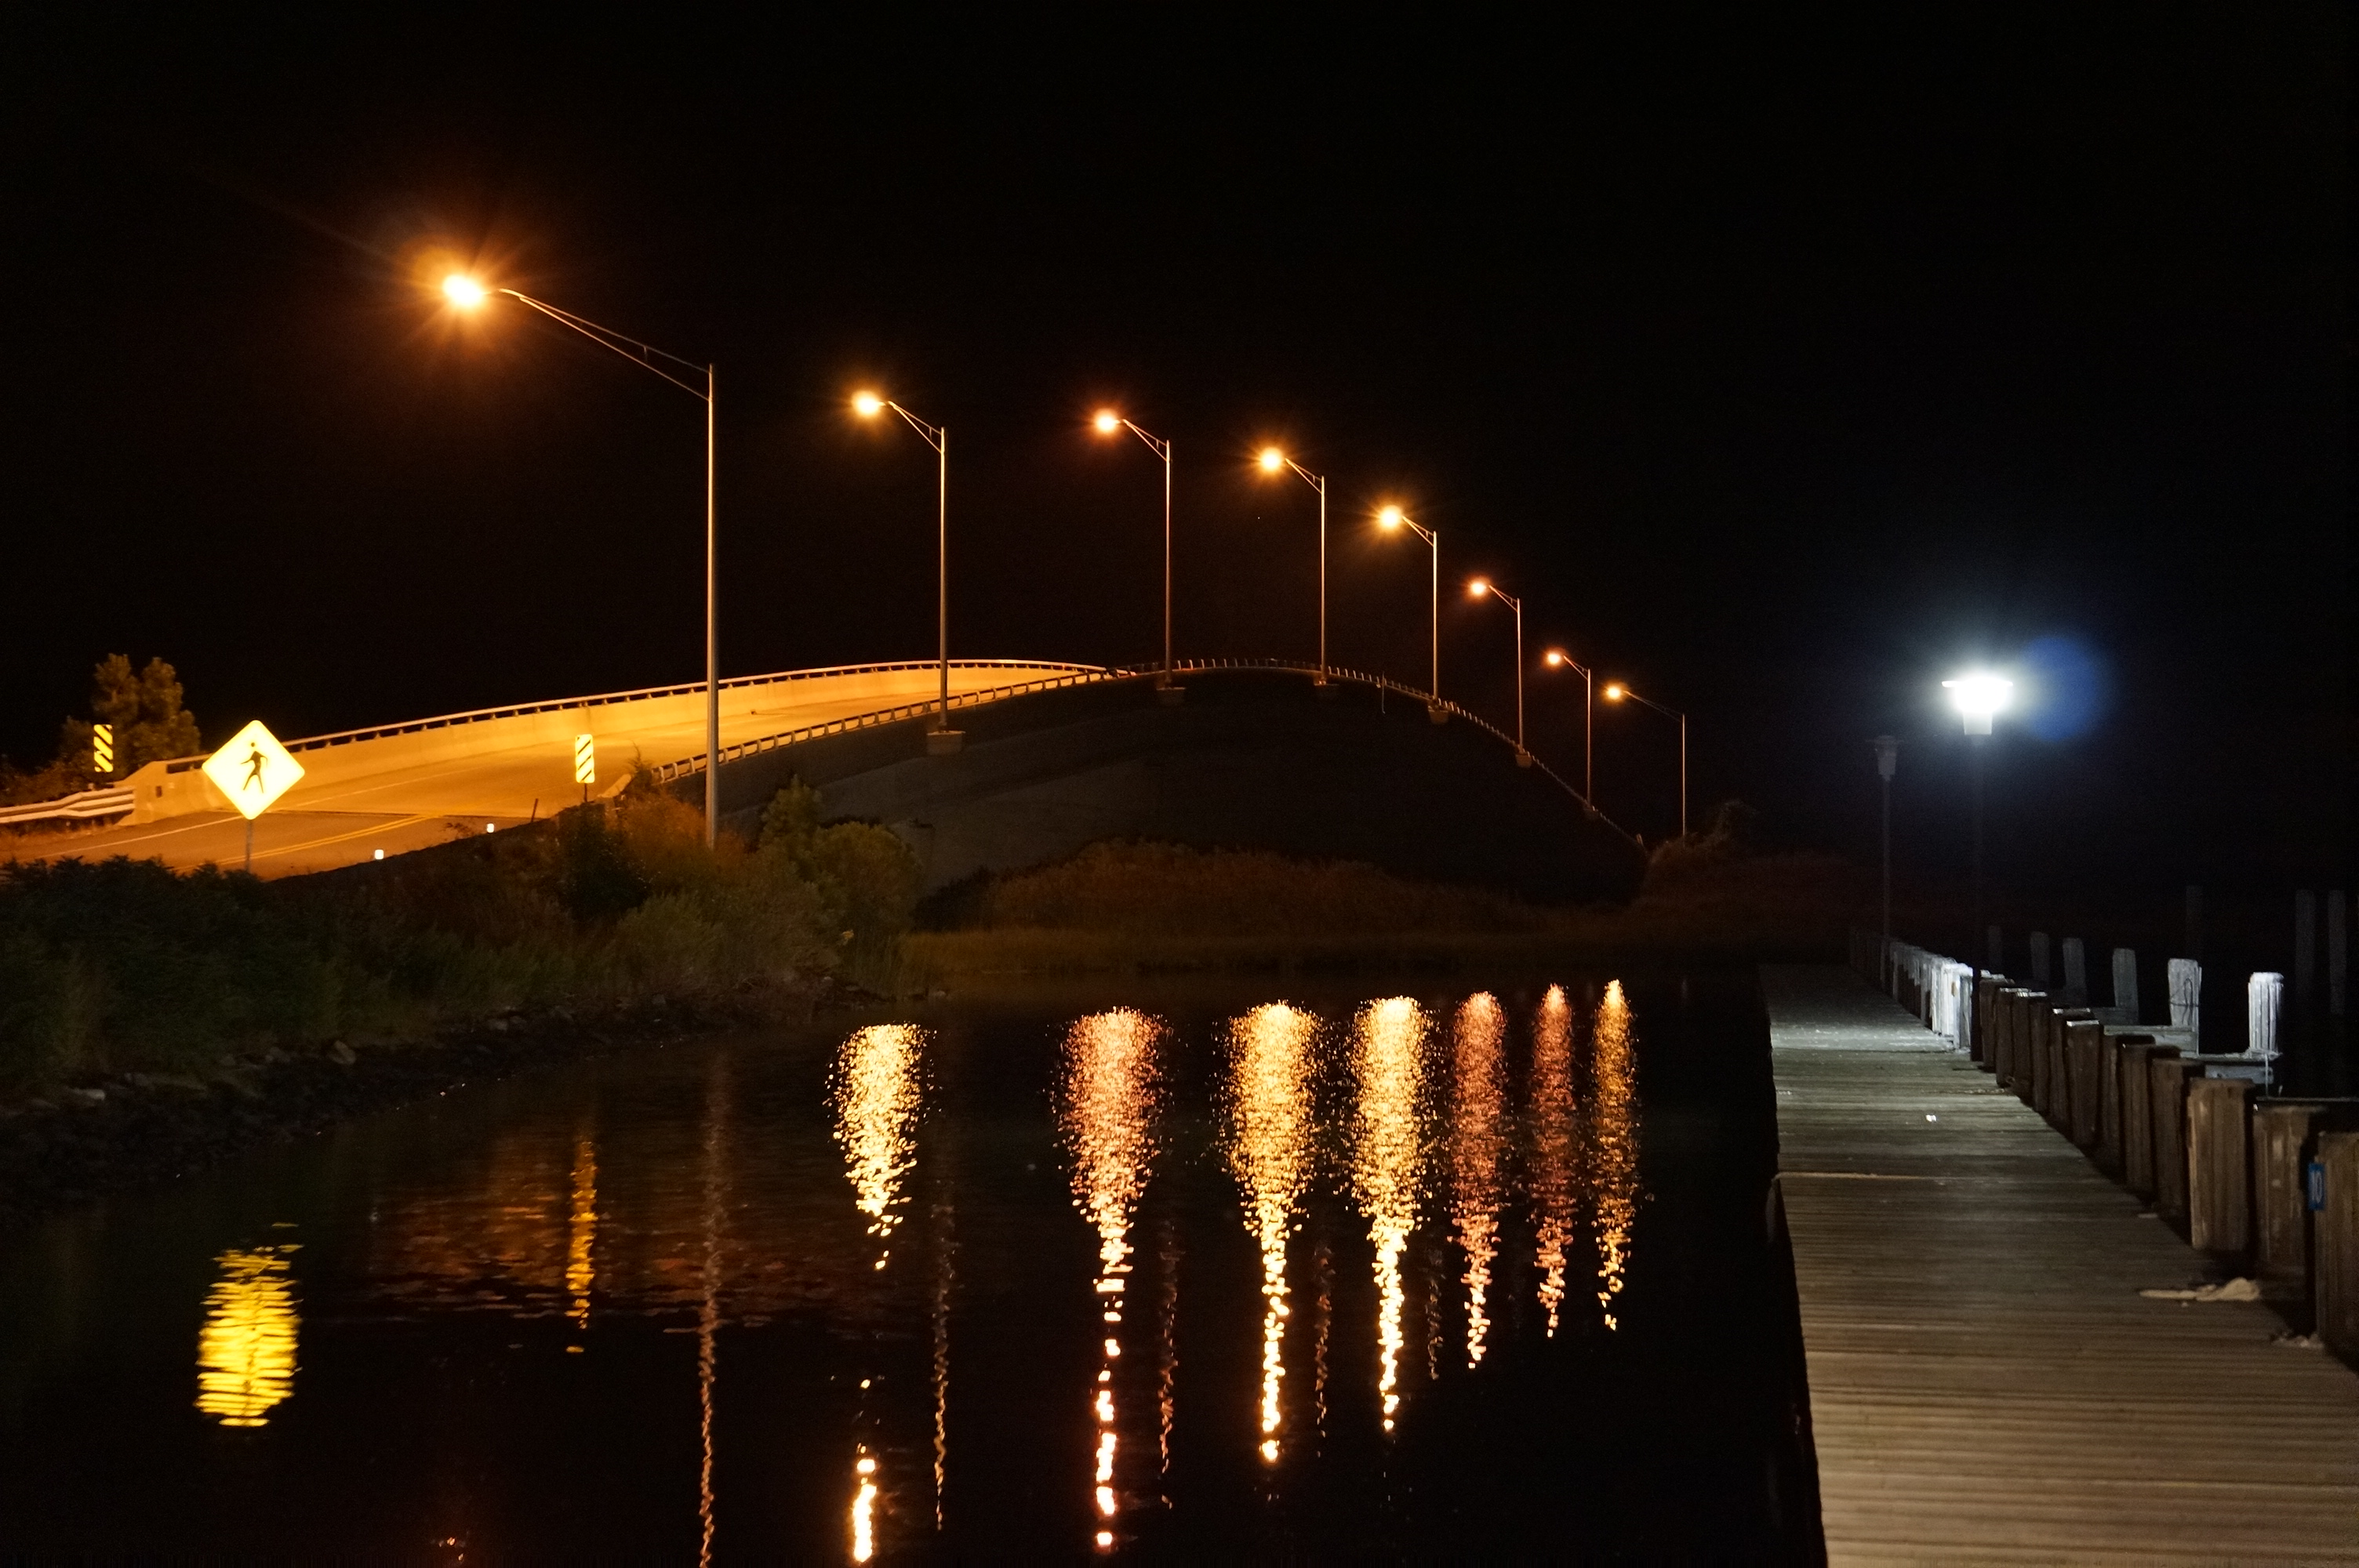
<point x="1124" y="906"/>
<point x="126" y="971"/>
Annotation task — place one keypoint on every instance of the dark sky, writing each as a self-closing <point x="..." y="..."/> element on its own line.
<point x="1784" y="365"/>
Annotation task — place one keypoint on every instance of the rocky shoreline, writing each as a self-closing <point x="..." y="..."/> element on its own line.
<point x="136" y="1130"/>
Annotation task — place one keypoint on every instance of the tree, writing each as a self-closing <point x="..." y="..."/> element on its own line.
<point x="144" y="707"/>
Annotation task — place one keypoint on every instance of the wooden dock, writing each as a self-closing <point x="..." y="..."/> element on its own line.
<point x="1986" y="1383"/>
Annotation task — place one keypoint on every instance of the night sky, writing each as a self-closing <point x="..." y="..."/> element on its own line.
<point x="1784" y="366"/>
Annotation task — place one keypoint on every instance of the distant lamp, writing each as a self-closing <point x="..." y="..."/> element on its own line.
<point x="867" y="405"/>
<point x="1107" y="422"/>
<point x="1614" y="691"/>
<point x="1478" y="587"/>
<point x="1553" y="657"/>
<point x="1390" y="517"/>
<point x="1978" y="696"/>
<point x="463" y="291"/>
<point x="1271" y="460"/>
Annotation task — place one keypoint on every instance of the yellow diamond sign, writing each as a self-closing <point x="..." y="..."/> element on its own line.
<point x="253" y="770"/>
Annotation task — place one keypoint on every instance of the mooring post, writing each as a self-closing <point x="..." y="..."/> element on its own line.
<point x="2335" y="1237"/>
<point x="2076" y="973"/>
<point x="2137" y="1057"/>
<point x="2170" y="1076"/>
<point x="2305" y="961"/>
<point x="2218" y="1200"/>
<point x="2084" y="1053"/>
<point x="2281" y="1151"/>
<point x="2126" y="989"/>
<point x="2112" y="1061"/>
<point x="2030" y="1006"/>
<point x="2039" y="959"/>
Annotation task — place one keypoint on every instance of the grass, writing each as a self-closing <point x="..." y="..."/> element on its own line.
<point x="1144" y="906"/>
<point x="122" y="966"/>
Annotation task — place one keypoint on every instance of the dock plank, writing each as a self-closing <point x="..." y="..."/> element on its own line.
<point x="1986" y="1383"/>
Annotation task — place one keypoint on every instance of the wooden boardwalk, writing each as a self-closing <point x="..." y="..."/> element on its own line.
<point x="1986" y="1383"/>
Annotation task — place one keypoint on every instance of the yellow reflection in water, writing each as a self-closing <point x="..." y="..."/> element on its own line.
<point x="1478" y="1147"/>
<point x="1554" y="1152"/>
<point x="1268" y="1143"/>
<point x="875" y="1102"/>
<point x="582" y="1240"/>
<point x="245" y="1352"/>
<point x="1613" y="1145"/>
<point x="1105" y="1112"/>
<point x="1387" y="1163"/>
<point x="864" y="1507"/>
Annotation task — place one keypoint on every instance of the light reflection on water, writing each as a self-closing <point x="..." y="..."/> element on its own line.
<point x="1486" y="1153"/>
<point x="1389" y="1163"/>
<point x="1269" y="1148"/>
<point x="245" y="1352"/>
<point x="1106" y="1108"/>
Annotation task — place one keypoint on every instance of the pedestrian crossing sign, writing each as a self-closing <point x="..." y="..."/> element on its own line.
<point x="253" y="770"/>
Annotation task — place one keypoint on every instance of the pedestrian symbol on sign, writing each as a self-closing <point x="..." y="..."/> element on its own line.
<point x="253" y="770"/>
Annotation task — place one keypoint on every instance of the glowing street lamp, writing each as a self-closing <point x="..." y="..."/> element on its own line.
<point x="1389" y="519"/>
<point x="1557" y="658"/>
<point x="1614" y="692"/>
<point x="1978" y="696"/>
<point x="1108" y="422"/>
<point x="1274" y="460"/>
<point x="1476" y="590"/>
<point x="465" y="293"/>
<point x="868" y="406"/>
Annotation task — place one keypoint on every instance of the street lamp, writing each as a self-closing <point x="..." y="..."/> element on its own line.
<point x="1476" y="590"/>
<point x="466" y="293"/>
<point x="1614" y="692"/>
<point x="1557" y="658"/>
<point x="868" y="406"/>
<point x="1977" y="695"/>
<point x="1887" y="762"/>
<point x="1389" y="519"/>
<point x="1272" y="460"/>
<point x="1108" y="422"/>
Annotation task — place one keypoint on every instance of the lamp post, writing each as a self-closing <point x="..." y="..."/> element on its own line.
<point x="1272" y="460"/>
<point x="1554" y="659"/>
<point x="1392" y="517"/>
<point x="1977" y="697"/>
<point x="465" y="293"/>
<point x="1888" y="761"/>
<point x="1107" y="423"/>
<point x="868" y="406"/>
<point x="1614" y="692"/>
<point x="1476" y="590"/>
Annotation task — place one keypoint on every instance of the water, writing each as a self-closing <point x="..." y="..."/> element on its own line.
<point x="1163" y="1272"/>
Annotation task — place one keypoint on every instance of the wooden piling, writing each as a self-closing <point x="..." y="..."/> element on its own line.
<point x="2282" y="1135"/>
<point x="2168" y="1078"/>
<point x="2112" y="1114"/>
<point x="2134" y="1060"/>
<point x="2084" y="1047"/>
<point x="2038" y="1015"/>
<point x="2219" y="1212"/>
<point x="2334" y="1239"/>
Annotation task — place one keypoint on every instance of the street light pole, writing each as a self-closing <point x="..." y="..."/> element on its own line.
<point x="1272" y="460"/>
<point x="1107" y="423"/>
<point x="1588" y="722"/>
<point x="1614" y="692"/>
<point x="1394" y="517"/>
<point x="467" y="294"/>
<point x="868" y="405"/>
<point x="1478" y="587"/>
<point x="1888" y="761"/>
<point x="1978" y="698"/>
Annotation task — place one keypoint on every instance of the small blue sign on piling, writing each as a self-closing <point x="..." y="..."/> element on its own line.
<point x="2314" y="1186"/>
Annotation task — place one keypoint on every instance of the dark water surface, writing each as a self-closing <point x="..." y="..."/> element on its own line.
<point x="1191" y="1272"/>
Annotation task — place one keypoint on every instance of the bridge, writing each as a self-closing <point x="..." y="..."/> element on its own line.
<point x="1259" y="754"/>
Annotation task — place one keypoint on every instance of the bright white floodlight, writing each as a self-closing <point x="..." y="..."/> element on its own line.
<point x="1978" y="696"/>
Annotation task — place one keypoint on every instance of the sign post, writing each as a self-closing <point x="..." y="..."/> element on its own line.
<point x="251" y="771"/>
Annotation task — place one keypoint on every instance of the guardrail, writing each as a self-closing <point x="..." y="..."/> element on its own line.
<point x="82" y="807"/>
<point x="667" y="773"/>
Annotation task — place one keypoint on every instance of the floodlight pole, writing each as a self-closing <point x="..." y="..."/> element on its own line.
<point x="1162" y="449"/>
<point x="645" y="356"/>
<point x="1517" y="606"/>
<point x="938" y="438"/>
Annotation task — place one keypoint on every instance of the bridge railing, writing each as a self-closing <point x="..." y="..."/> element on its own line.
<point x="667" y="773"/>
<point x="83" y="805"/>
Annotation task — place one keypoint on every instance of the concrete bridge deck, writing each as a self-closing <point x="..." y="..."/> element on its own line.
<point x="1986" y="1383"/>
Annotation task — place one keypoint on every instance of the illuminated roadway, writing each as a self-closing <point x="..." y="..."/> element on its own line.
<point x="403" y="787"/>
